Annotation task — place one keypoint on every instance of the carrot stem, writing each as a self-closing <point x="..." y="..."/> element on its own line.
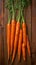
<point x="13" y="12"/>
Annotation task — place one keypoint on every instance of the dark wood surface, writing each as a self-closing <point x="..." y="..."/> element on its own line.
<point x="30" y="16"/>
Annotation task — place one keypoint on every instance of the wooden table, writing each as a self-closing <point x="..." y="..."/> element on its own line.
<point x="30" y="15"/>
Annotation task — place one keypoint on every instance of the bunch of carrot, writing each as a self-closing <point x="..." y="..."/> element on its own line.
<point x="17" y="38"/>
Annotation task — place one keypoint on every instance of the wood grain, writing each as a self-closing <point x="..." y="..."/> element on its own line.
<point x="34" y="32"/>
<point x="30" y="19"/>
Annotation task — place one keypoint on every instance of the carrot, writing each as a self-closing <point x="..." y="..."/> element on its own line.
<point x="24" y="4"/>
<point x="28" y="46"/>
<point x="24" y="35"/>
<point x="16" y="34"/>
<point x="16" y="40"/>
<point x="24" y="45"/>
<point x="8" y="39"/>
<point x="8" y="5"/>
<point x="19" y="45"/>
<point x="24" y="40"/>
<point x="13" y="26"/>
<point x="23" y="51"/>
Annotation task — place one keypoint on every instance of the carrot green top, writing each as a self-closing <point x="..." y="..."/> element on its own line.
<point x="13" y="5"/>
<point x="10" y="6"/>
<point x="24" y="4"/>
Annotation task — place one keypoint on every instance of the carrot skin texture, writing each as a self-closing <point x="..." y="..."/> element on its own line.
<point x="19" y="44"/>
<point x="28" y="46"/>
<point x="13" y="26"/>
<point x="24" y="33"/>
<point x="8" y="39"/>
<point x="16" y="40"/>
<point x="23" y="51"/>
<point x="24" y="45"/>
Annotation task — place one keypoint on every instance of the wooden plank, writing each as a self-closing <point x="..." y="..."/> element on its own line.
<point x="34" y="24"/>
<point x="34" y="32"/>
<point x="5" y="44"/>
<point x="1" y="12"/>
<point x="1" y="32"/>
<point x="0" y="45"/>
<point x="28" y="21"/>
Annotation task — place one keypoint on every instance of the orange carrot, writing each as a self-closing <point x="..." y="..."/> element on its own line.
<point x="13" y="26"/>
<point x="28" y="46"/>
<point x="24" y="33"/>
<point x="19" y="45"/>
<point x="16" y="40"/>
<point x="23" y="51"/>
<point x="8" y="39"/>
<point x="24" y="40"/>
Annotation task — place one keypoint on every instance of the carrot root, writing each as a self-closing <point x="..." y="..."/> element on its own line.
<point x="8" y="39"/>
<point x="19" y="45"/>
<point x="28" y="46"/>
